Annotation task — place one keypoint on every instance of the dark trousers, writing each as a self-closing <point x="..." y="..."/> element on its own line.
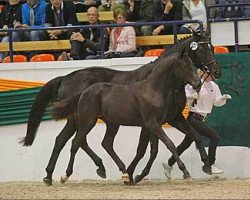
<point x="203" y="129"/>
<point x="78" y="50"/>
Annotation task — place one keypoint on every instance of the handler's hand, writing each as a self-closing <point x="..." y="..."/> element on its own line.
<point x="226" y="96"/>
<point x="194" y="95"/>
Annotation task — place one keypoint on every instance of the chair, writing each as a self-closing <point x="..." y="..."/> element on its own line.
<point x="16" y="58"/>
<point x="1" y="8"/>
<point x="154" y="52"/>
<point x="42" y="58"/>
<point x="220" y="49"/>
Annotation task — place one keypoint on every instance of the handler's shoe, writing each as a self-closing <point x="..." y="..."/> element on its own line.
<point x="216" y="170"/>
<point x="167" y="170"/>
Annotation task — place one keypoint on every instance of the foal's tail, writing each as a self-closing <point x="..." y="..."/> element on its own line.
<point x="47" y="94"/>
<point x="65" y="108"/>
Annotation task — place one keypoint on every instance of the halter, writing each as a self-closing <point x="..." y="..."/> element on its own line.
<point x="205" y="65"/>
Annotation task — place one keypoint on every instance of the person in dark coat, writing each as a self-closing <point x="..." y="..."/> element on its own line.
<point x="60" y="13"/>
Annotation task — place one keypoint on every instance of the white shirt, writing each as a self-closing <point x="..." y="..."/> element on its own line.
<point x="209" y="96"/>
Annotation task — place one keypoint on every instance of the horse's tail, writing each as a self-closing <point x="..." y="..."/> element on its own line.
<point x="48" y="93"/>
<point x="65" y="108"/>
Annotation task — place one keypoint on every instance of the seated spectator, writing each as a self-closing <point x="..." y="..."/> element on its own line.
<point x="149" y="12"/>
<point x="10" y="16"/>
<point x="83" y="6"/>
<point x="232" y="11"/>
<point x="60" y="13"/>
<point x="193" y="10"/>
<point x="170" y="11"/>
<point x="213" y="12"/>
<point x="122" y="39"/>
<point x="112" y="5"/>
<point x="132" y="8"/>
<point x="86" y="43"/>
<point x="33" y="16"/>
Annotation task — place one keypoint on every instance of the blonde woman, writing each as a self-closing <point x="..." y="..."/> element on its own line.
<point x="122" y="39"/>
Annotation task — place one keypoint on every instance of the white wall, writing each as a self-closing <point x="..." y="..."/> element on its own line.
<point x="29" y="163"/>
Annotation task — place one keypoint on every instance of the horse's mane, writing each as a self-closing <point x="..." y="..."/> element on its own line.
<point x="173" y="48"/>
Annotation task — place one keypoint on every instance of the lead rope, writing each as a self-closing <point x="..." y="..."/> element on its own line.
<point x="195" y="100"/>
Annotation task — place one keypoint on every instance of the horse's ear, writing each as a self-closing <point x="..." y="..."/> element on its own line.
<point x="182" y="53"/>
<point x="197" y="34"/>
<point x="207" y="34"/>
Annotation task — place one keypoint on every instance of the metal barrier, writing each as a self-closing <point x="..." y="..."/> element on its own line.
<point x="102" y="27"/>
<point x="234" y="20"/>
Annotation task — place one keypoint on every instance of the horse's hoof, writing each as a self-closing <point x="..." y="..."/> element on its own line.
<point x="101" y="173"/>
<point x="63" y="179"/>
<point x="130" y="183"/>
<point x="207" y="169"/>
<point x="186" y="176"/>
<point x="137" y="179"/>
<point x="125" y="178"/>
<point x="47" y="181"/>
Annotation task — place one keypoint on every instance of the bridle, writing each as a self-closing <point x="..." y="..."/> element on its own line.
<point x="204" y="66"/>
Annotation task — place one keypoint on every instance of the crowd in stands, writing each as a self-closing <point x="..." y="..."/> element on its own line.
<point x="120" y="41"/>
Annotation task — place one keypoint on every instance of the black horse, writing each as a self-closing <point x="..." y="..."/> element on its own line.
<point x="106" y="101"/>
<point x="199" y="50"/>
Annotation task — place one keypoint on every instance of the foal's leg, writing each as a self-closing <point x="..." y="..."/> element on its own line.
<point x="153" y="153"/>
<point x="67" y="132"/>
<point x="141" y="150"/>
<point x="158" y="131"/>
<point x="108" y="145"/>
<point x="80" y="140"/>
<point x="191" y="135"/>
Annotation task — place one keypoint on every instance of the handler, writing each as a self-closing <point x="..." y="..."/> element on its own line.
<point x="200" y="105"/>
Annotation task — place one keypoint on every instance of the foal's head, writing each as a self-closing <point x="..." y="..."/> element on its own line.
<point x="184" y="70"/>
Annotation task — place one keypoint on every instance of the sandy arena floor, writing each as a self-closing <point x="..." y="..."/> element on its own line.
<point x="148" y="189"/>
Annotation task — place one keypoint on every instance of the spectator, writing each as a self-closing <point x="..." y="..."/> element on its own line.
<point x="170" y="11"/>
<point x="149" y="12"/>
<point x="83" y="6"/>
<point x="112" y="5"/>
<point x="10" y="15"/>
<point x="86" y="43"/>
<point x="122" y="39"/>
<point x="132" y="7"/>
<point x="33" y="16"/>
<point x="193" y="10"/>
<point x="60" y="13"/>
<point x="232" y="11"/>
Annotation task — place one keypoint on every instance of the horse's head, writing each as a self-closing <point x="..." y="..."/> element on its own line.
<point x="201" y="52"/>
<point x="185" y="71"/>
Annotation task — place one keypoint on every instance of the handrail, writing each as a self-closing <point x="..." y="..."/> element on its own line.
<point x="101" y="27"/>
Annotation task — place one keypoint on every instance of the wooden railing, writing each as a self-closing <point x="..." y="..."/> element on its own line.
<point x="65" y="44"/>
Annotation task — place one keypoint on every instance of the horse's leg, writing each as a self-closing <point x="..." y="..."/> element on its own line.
<point x="191" y="135"/>
<point x="141" y="150"/>
<point x="80" y="140"/>
<point x="108" y="145"/>
<point x="153" y="153"/>
<point x="158" y="131"/>
<point x="66" y="133"/>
